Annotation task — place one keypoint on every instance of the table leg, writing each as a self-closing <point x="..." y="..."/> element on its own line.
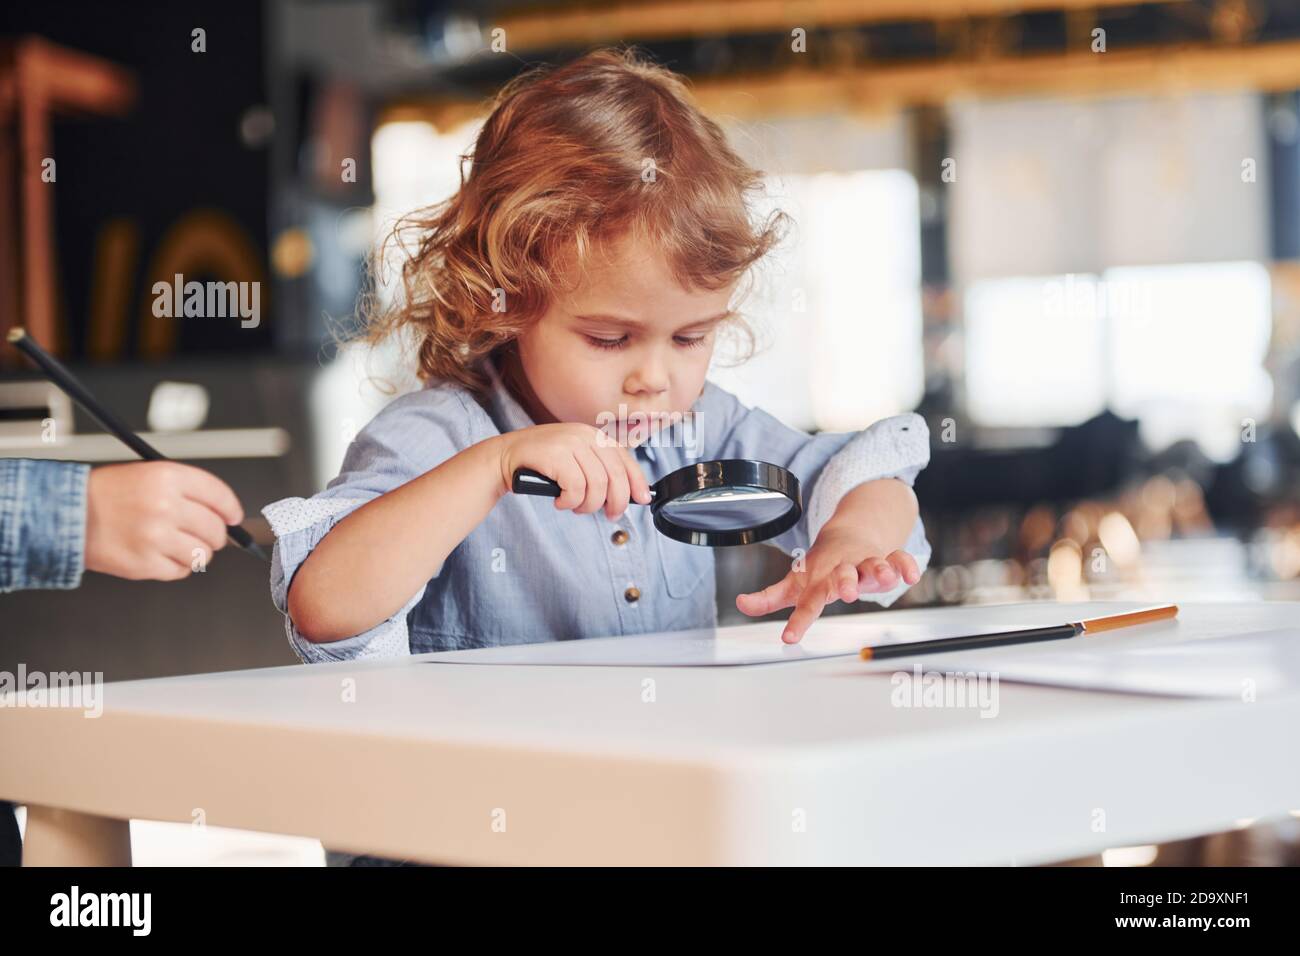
<point x="57" y="837"/>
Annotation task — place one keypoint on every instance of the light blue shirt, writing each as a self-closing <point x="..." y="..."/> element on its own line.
<point x="529" y="572"/>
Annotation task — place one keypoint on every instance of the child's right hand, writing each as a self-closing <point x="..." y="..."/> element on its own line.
<point x="156" y="520"/>
<point x="592" y="470"/>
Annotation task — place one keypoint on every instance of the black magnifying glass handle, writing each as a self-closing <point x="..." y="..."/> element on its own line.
<point x="529" y="482"/>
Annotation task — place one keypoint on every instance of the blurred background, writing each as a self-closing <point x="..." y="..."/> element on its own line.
<point x="1066" y="233"/>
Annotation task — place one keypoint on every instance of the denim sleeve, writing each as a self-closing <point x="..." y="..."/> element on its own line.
<point x="410" y="436"/>
<point x="42" y="523"/>
<point x="828" y="465"/>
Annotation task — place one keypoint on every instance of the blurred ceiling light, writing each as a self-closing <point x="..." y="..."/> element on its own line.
<point x="1065" y="571"/>
<point x="457" y="36"/>
<point x="292" y="253"/>
<point x="1119" y="539"/>
<point x="1129" y="856"/>
<point x="1036" y="529"/>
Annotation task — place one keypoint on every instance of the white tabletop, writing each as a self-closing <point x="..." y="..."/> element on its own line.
<point x="794" y="763"/>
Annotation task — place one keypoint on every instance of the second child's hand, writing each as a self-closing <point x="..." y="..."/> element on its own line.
<point x="158" y="520"/>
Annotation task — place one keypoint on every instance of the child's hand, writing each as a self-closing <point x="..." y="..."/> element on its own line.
<point x="155" y="519"/>
<point x="592" y="470"/>
<point x="841" y="564"/>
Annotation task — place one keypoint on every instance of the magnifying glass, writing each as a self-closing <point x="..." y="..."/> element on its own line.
<point x="710" y="503"/>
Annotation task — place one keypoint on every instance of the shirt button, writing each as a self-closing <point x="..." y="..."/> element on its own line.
<point x="631" y="595"/>
<point x="619" y="537"/>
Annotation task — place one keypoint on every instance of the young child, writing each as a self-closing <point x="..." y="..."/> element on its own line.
<point x="579" y="278"/>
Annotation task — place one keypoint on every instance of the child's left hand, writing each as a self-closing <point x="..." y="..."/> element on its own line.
<point x="841" y="564"/>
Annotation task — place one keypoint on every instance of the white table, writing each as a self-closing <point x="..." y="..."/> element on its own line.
<point x="792" y="763"/>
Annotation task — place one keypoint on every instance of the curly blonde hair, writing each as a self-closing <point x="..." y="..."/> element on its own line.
<point x="569" y="159"/>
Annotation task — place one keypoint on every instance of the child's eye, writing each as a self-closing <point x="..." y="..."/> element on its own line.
<point x="607" y="343"/>
<point x="682" y="340"/>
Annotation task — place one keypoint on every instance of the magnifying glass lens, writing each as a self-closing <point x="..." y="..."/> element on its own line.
<point x="727" y="508"/>
<point x="710" y="503"/>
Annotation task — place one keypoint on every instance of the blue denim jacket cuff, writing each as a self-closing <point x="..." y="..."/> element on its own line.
<point x="43" y="520"/>
<point x="71" y="531"/>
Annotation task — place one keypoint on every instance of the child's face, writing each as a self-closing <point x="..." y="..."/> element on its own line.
<point x="628" y="335"/>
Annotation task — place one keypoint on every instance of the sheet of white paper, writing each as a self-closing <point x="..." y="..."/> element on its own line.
<point x="1263" y="663"/>
<point x="722" y="646"/>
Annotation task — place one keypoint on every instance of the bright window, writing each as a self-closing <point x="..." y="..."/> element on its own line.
<point x="1034" y="351"/>
<point x="839" y="305"/>
<point x="1178" y="347"/>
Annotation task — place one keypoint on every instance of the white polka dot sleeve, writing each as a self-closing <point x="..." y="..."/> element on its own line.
<point x="897" y="447"/>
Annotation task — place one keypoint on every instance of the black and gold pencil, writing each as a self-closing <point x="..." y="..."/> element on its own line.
<point x="1024" y="635"/>
<point x="64" y="379"/>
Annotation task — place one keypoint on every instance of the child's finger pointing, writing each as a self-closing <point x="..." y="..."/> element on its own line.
<point x="806" y="611"/>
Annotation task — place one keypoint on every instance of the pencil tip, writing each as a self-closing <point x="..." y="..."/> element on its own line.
<point x="16" y="333"/>
<point x="865" y="654"/>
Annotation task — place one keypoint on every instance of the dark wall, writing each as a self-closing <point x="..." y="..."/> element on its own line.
<point x="179" y="150"/>
<point x="220" y="620"/>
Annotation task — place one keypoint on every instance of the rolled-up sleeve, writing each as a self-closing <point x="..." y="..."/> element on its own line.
<point x="42" y="523"/>
<point x="828" y="465"/>
<point x="410" y="436"/>
<point x="895" y="447"/>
